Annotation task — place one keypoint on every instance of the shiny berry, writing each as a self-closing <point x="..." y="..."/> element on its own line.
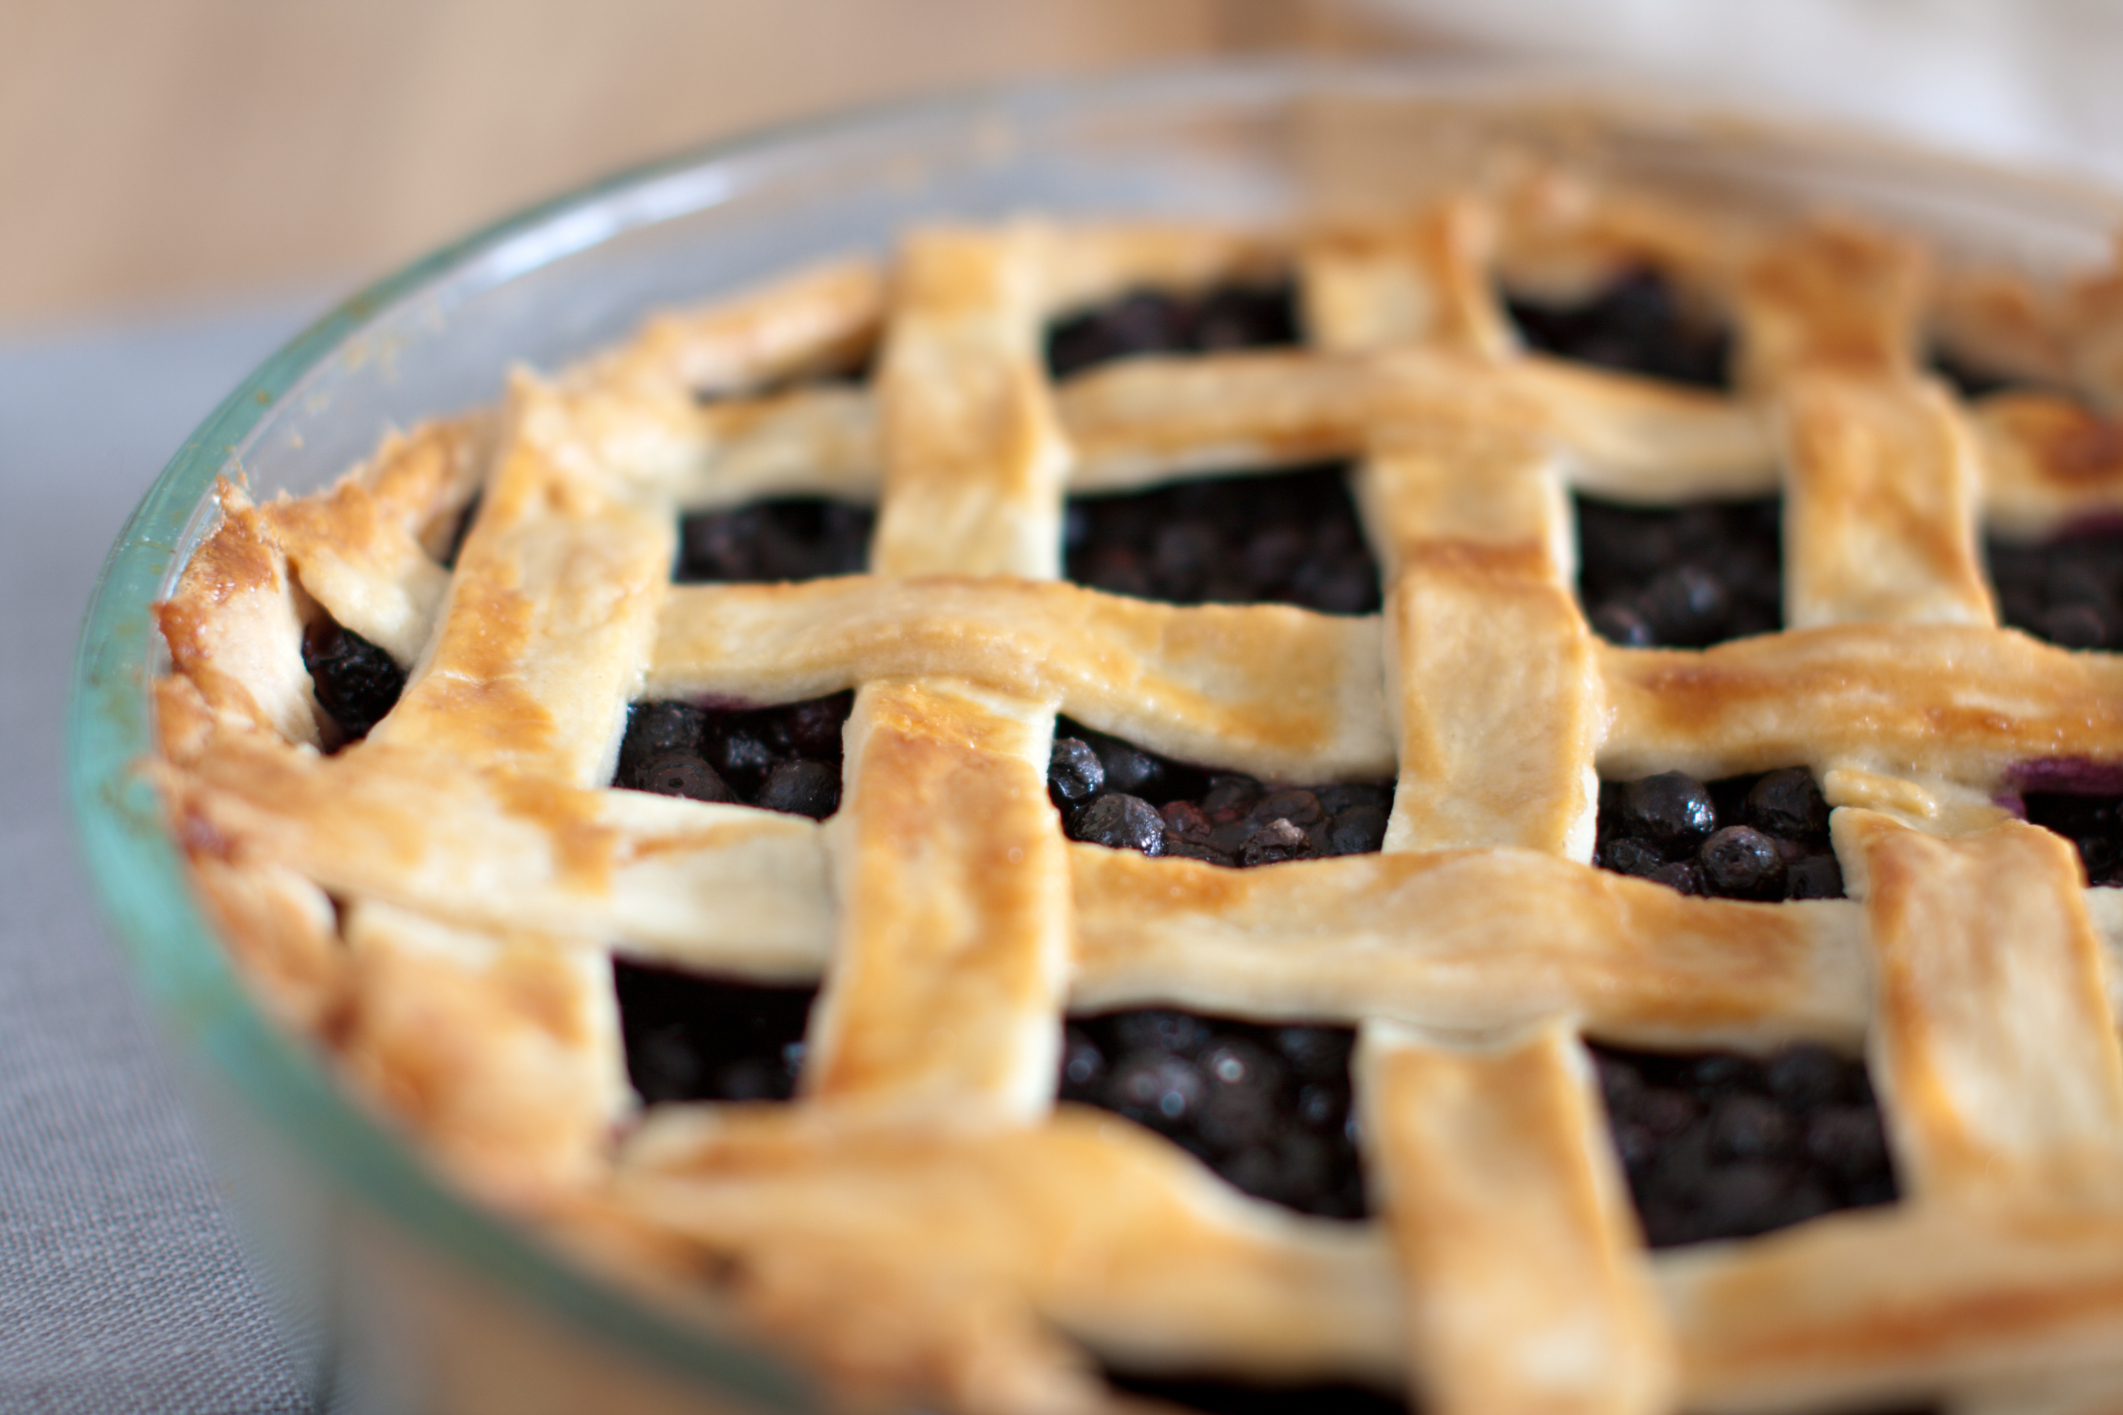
<point x="802" y="788"/>
<point x="681" y="773"/>
<point x="1673" y="810"/>
<point x="1787" y="803"/>
<point x="1121" y="822"/>
<point x="1740" y="862"/>
<point x="1074" y="774"/>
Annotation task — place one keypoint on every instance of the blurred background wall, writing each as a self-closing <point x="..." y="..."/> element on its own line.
<point x="189" y="153"/>
<point x="160" y="152"/>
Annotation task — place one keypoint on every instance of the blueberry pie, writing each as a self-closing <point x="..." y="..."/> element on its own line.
<point x="1506" y="811"/>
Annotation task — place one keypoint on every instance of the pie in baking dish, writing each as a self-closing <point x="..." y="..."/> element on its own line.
<point x="1129" y="814"/>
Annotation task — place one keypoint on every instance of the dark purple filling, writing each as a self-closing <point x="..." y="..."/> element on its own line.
<point x="1971" y="380"/>
<point x="1725" y="1146"/>
<point x="1281" y="538"/>
<point x="804" y="538"/>
<point x="1266" y="1107"/>
<point x="2093" y="823"/>
<point x="355" y="681"/>
<point x="1112" y="793"/>
<point x="2068" y="590"/>
<point x="691" y="1038"/>
<point x="1745" y="837"/>
<point x="1147" y="322"/>
<point x="1638" y="325"/>
<point x="1684" y="577"/>
<point x="1234" y="1398"/>
<point x="462" y="529"/>
<point x="783" y="758"/>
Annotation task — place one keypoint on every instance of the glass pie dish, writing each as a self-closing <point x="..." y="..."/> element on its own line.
<point x="404" y="1295"/>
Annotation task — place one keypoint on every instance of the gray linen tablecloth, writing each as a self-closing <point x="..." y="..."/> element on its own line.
<point x="121" y="1288"/>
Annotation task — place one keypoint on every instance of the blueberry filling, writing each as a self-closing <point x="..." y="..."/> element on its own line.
<point x="355" y="681"/>
<point x="1266" y="1107"/>
<point x="1745" y="837"/>
<point x="690" y="1038"/>
<point x="1147" y="322"/>
<point x="1726" y="1146"/>
<point x="1235" y="1398"/>
<point x="1112" y="793"/>
<point x="458" y="532"/>
<point x="797" y="539"/>
<point x="1968" y="379"/>
<point x="782" y="758"/>
<point x="2068" y="590"/>
<point x="1284" y="538"/>
<point x="1638" y="324"/>
<point x="2092" y="823"/>
<point x="1684" y="577"/>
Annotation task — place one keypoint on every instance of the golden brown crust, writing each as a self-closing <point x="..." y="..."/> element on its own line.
<point x="1994" y="1043"/>
<point x="1166" y="1269"/>
<point x="1508" y="1212"/>
<point x="438" y="903"/>
<point x="1880" y="506"/>
<point x="1475" y="538"/>
<point x="368" y="549"/>
<point x="954" y="907"/>
<point x="234" y="630"/>
<point x="1280" y="691"/>
<point x="1418" y="938"/>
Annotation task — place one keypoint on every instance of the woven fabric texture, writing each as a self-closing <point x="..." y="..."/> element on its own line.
<point x="121" y="1285"/>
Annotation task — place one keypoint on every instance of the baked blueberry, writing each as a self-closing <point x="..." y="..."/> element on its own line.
<point x="1739" y="862"/>
<point x="802" y="788"/>
<point x="1075" y="774"/>
<point x="1270" y="538"/>
<point x="792" y="539"/>
<point x="2091" y="822"/>
<point x="1153" y="322"/>
<point x="694" y="1038"/>
<point x="1638" y="323"/>
<point x="1788" y="803"/>
<point x="355" y="681"/>
<point x="1121" y="822"/>
<point x="1266" y="1107"/>
<point x="1717" y="1145"/>
<point x="783" y="758"/>
<point x="678" y="773"/>
<point x="1743" y="837"/>
<point x="1223" y="818"/>
<point x="1671" y="810"/>
<point x="1684" y="576"/>
<point x="2067" y="590"/>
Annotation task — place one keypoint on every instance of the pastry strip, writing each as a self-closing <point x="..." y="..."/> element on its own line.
<point x="1993" y="1042"/>
<point x="946" y="989"/>
<point x="1476" y="539"/>
<point x="1885" y="1306"/>
<point x="949" y="973"/>
<point x="1418" y="282"/>
<point x="1970" y="704"/>
<point x="1272" y="689"/>
<point x="1529" y="1288"/>
<point x="1418" y="938"/>
<point x="1880" y="505"/>
<point x="359" y="548"/>
<point x="550" y="615"/>
<point x="1168" y="1269"/>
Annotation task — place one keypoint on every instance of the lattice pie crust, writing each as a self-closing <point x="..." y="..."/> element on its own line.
<point x="438" y="904"/>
